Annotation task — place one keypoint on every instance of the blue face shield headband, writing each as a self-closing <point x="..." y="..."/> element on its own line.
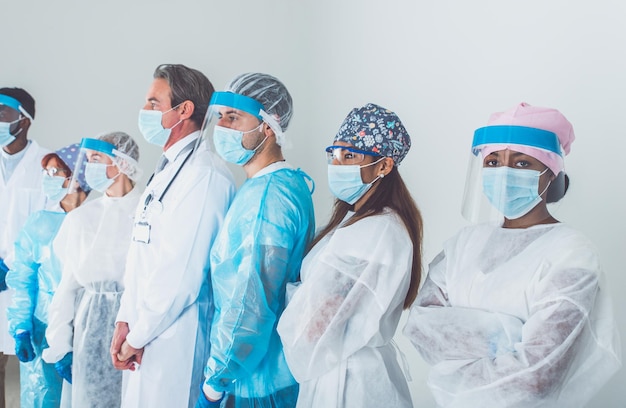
<point x="239" y="102"/>
<point x="14" y="104"/>
<point x="248" y="105"/>
<point x="516" y="135"/>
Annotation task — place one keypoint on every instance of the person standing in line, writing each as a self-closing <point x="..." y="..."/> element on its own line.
<point x="35" y="276"/>
<point x="258" y="250"/>
<point x="92" y="245"/>
<point x="363" y="269"/>
<point x="514" y="311"/>
<point x="21" y="193"/>
<point x="163" y="319"/>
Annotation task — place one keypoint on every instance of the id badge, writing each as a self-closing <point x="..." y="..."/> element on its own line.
<point x="141" y="232"/>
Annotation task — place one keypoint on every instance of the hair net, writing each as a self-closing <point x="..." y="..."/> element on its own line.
<point x="373" y="128"/>
<point x="534" y="117"/>
<point x="271" y="93"/>
<point x="126" y="153"/>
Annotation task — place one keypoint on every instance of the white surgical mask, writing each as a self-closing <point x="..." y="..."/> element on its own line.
<point x="513" y="192"/>
<point x="96" y="176"/>
<point x="345" y="182"/>
<point x="228" y="144"/>
<point x="152" y="129"/>
<point x="6" y="138"/>
<point x="53" y="187"/>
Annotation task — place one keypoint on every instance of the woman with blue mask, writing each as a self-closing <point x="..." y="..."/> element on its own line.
<point x="92" y="245"/>
<point x="362" y="270"/>
<point x="35" y="276"/>
<point x="514" y="311"/>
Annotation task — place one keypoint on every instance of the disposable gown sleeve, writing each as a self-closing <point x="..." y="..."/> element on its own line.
<point x="60" y="331"/>
<point x="176" y="283"/>
<point x="492" y="333"/>
<point x="248" y="290"/>
<point x="352" y="298"/>
<point x="510" y="373"/>
<point x="22" y="278"/>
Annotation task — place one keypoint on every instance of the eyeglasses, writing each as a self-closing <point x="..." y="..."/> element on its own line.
<point x="52" y="171"/>
<point x="347" y="155"/>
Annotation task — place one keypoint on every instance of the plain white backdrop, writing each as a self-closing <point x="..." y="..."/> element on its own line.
<point x="443" y="66"/>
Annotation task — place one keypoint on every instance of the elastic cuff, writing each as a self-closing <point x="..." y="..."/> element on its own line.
<point x="210" y="393"/>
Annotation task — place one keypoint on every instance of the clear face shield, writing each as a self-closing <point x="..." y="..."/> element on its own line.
<point x="100" y="159"/>
<point x="234" y="127"/>
<point x="511" y="170"/>
<point x="11" y="113"/>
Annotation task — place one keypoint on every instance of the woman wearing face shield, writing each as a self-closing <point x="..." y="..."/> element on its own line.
<point x="35" y="275"/>
<point x="363" y="269"/>
<point x="514" y="312"/>
<point x="92" y="245"/>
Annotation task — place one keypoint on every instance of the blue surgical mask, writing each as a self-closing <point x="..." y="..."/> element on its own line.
<point x="6" y="138"/>
<point x="513" y="192"/>
<point x="96" y="176"/>
<point x="228" y="144"/>
<point x="152" y="129"/>
<point x="345" y="181"/>
<point x="53" y="187"/>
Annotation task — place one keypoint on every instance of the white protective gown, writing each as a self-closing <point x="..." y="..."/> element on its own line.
<point x="20" y="196"/>
<point x="167" y="303"/>
<point x="337" y="329"/>
<point x="515" y="318"/>
<point x="91" y="245"/>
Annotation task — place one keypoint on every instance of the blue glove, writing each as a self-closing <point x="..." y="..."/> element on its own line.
<point x="203" y="402"/>
<point x="24" y="347"/>
<point x="64" y="367"/>
<point x="3" y="276"/>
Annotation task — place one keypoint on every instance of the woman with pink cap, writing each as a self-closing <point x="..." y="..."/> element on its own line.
<point x="514" y="312"/>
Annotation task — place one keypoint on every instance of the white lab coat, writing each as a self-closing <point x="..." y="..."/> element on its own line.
<point x="167" y="301"/>
<point x="515" y="318"/>
<point x="92" y="245"/>
<point x="20" y="196"/>
<point x="337" y="328"/>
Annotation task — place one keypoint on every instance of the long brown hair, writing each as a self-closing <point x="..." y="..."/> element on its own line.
<point x="391" y="192"/>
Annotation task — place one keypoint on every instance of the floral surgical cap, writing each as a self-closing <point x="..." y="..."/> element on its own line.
<point x="373" y="128"/>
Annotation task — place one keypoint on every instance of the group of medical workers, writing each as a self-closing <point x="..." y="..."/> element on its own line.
<point x="183" y="291"/>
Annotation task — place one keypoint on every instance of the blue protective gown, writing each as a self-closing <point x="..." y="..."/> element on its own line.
<point x="258" y="250"/>
<point x="35" y="275"/>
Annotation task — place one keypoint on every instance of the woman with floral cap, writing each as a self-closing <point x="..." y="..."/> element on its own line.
<point x="513" y="312"/>
<point x="35" y="276"/>
<point x="363" y="269"/>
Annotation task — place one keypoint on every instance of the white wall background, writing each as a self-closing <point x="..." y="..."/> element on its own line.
<point x="443" y="66"/>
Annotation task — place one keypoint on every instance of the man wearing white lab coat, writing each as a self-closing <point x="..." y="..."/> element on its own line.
<point x="20" y="194"/>
<point x="162" y="325"/>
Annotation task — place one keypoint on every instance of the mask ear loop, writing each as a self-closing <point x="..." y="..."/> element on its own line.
<point x="549" y="182"/>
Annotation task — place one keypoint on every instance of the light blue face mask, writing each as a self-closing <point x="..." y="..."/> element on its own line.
<point x="6" y="138"/>
<point x="345" y="182"/>
<point x="53" y="187"/>
<point x="513" y="192"/>
<point x="96" y="176"/>
<point x="228" y="144"/>
<point x="152" y="129"/>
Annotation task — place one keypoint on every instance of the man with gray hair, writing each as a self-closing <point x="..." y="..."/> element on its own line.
<point x="21" y="194"/>
<point x="162" y="321"/>
<point x="258" y="250"/>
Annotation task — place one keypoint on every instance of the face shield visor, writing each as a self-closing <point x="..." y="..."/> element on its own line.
<point x="233" y="127"/>
<point x="102" y="162"/>
<point x="511" y="170"/>
<point x="11" y="113"/>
